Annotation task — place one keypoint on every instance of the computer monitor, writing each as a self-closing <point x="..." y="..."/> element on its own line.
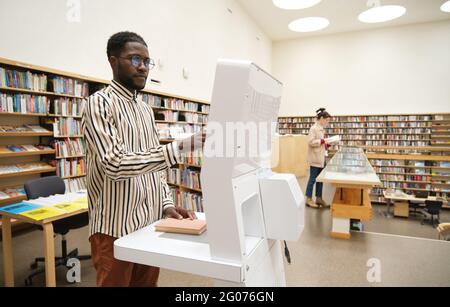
<point x="243" y="116"/>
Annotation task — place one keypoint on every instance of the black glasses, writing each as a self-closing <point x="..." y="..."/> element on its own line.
<point x="137" y="61"/>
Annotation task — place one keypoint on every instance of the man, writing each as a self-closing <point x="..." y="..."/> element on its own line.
<point x="127" y="189"/>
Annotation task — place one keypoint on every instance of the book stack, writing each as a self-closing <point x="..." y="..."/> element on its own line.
<point x="70" y="147"/>
<point x="174" y="176"/>
<point x="71" y="167"/>
<point x="173" y="103"/>
<point x="68" y="106"/>
<point x="25" y="80"/>
<point x="75" y="185"/>
<point x="167" y="115"/>
<point x="193" y="158"/>
<point x="191" y="201"/>
<point x="69" y="86"/>
<point x="191" y="179"/>
<point x="67" y="127"/>
<point x="151" y="100"/>
<point x="22" y="103"/>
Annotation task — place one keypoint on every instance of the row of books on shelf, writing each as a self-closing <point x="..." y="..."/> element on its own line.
<point x="187" y="200"/>
<point x="71" y="167"/>
<point x="22" y="148"/>
<point x="388" y="143"/>
<point x="68" y="86"/>
<point x="409" y="163"/>
<point x="68" y="106"/>
<point x="384" y="137"/>
<point x="174" y="131"/>
<point x="23" y="167"/>
<point x="173" y="103"/>
<point x="356" y="125"/>
<point x="193" y="158"/>
<point x="67" y="127"/>
<point x="386" y="177"/>
<point x="187" y="177"/>
<point x="168" y="115"/>
<point x="25" y="128"/>
<point x="75" y="184"/>
<point x="70" y="147"/>
<point x="23" y="80"/>
<point x="6" y="193"/>
<point x="24" y="103"/>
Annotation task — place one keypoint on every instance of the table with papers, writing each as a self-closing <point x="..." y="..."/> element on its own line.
<point x="42" y="212"/>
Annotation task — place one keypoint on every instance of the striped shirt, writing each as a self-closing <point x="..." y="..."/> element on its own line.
<point x="126" y="181"/>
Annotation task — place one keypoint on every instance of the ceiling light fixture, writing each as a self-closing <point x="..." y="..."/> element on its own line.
<point x="295" y="4"/>
<point x="446" y="7"/>
<point x="309" y="24"/>
<point x="382" y="13"/>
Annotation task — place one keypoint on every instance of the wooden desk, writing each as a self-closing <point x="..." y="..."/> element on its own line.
<point x="49" y="245"/>
<point x="404" y="198"/>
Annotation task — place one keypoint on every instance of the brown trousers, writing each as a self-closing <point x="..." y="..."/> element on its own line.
<point x="115" y="273"/>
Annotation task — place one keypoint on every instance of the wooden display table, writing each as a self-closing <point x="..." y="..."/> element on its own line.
<point x="352" y="175"/>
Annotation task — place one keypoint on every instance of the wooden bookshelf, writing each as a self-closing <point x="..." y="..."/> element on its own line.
<point x="22" y="114"/>
<point x="70" y="157"/>
<point x="25" y="134"/>
<point x="94" y="84"/>
<point x="27" y="153"/>
<point x="44" y="93"/>
<point x="31" y="172"/>
<point x="420" y="154"/>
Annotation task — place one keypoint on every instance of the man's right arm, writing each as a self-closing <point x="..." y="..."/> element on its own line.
<point x="118" y="163"/>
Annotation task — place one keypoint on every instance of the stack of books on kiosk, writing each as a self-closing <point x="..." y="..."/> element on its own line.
<point x="186" y="226"/>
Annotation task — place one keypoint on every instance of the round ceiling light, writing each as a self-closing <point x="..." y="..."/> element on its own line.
<point x="382" y="13"/>
<point x="295" y="4"/>
<point x="446" y="7"/>
<point x="309" y="24"/>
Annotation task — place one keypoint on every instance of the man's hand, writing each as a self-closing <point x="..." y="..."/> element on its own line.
<point x="179" y="213"/>
<point x="192" y="143"/>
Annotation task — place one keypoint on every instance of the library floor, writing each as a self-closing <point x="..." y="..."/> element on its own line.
<point x="318" y="260"/>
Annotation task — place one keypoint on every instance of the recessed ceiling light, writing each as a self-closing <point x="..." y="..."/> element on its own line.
<point x="446" y="7"/>
<point x="309" y="24"/>
<point x="295" y="4"/>
<point x="382" y="13"/>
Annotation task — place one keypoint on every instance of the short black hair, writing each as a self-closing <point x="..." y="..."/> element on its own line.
<point x="117" y="42"/>
<point x="322" y="113"/>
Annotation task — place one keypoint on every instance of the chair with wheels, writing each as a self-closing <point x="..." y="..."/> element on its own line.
<point x="44" y="187"/>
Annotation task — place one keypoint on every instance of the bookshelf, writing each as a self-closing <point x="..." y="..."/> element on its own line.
<point x="53" y="100"/>
<point x="410" y="152"/>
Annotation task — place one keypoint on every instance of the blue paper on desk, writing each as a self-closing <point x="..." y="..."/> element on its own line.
<point x="19" y="208"/>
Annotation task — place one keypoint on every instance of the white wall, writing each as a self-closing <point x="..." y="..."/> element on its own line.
<point x="183" y="33"/>
<point x="394" y="70"/>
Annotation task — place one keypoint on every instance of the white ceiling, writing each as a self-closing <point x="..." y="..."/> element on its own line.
<point x="343" y="15"/>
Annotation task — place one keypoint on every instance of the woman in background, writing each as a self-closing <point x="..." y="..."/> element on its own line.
<point x="316" y="158"/>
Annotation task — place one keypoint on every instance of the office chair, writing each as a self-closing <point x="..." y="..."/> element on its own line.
<point x="48" y="186"/>
<point x="416" y="205"/>
<point x="433" y="208"/>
